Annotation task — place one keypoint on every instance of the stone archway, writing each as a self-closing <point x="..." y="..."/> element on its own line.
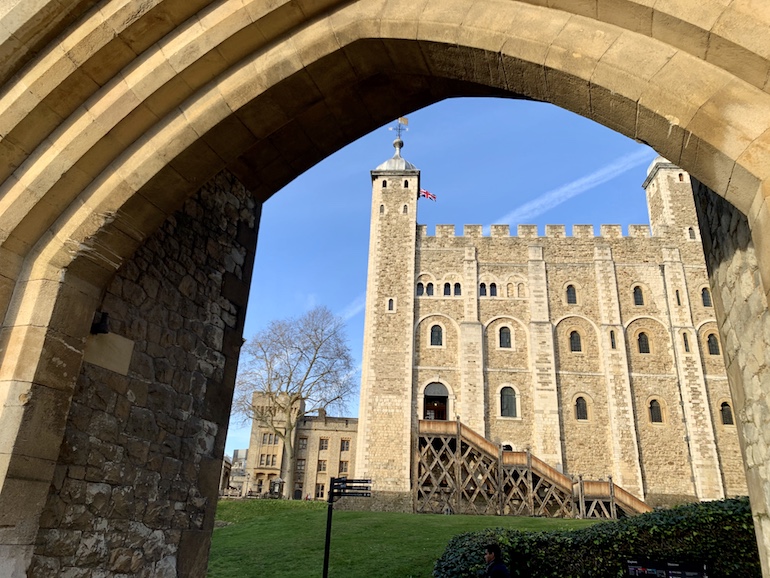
<point x="115" y="112"/>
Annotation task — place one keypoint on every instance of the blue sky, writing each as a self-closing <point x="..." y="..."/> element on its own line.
<point x="487" y="160"/>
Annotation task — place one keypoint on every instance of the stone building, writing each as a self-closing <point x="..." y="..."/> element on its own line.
<point x="324" y="447"/>
<point x="599" y="354"/>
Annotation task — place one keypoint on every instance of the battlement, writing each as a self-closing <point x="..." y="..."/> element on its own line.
<point x="531" y="231"/>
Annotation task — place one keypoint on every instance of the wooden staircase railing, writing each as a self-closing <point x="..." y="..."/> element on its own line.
<point x="460" y="471"/>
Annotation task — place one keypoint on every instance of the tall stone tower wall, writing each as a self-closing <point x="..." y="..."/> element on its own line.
<point x="652" y="384"/>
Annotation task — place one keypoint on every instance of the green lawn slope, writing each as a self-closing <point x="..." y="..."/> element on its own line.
<point x="285" y="539"/>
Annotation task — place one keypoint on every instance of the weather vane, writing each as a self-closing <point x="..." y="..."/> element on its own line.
<point x="401" y="126"/>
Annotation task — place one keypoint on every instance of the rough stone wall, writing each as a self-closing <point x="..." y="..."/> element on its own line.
<point x="741" y="305"/>
<point x="135" y="488"/>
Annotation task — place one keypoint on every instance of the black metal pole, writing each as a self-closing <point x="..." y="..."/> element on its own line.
<point x="328" y="527"/>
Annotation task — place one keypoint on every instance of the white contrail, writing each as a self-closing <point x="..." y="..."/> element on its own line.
<point x="565" y="192"/>
<point x="354" y="307"/>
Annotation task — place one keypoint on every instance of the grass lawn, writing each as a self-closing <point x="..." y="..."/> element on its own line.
<point x="285" y="539"/>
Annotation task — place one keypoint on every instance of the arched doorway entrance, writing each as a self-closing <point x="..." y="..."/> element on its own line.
<point x="435" y="402"/>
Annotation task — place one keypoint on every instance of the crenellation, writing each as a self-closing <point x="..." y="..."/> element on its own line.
<point x="500" y="230"/>
<point x="526" y="231"/>
<point x="445" y="230"/>
<point x="556" y="231"/>
<point x="582" y="230"/>
<point x="473" y="231"/>
<point x="638" y="230"/>
<point x="611" y="231"/>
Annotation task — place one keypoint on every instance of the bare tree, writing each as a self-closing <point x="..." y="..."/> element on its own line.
<point x="292" y="368"/>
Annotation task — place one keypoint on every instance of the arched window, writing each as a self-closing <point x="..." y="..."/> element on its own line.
<point x="520" y="290"/>
<point x="706" y="297"/>
<point x="420" y="289"/>
<point x="492" y="290"/>
<point x="681" y="177"/>
<point x="507" y="448"/>
<point x="406" y="210"/>
<point x="678" y="299"/>
<point x="458" y="290"/>
<point x="574" y="342"/>
<point x="406" y="184"/>
<point x="644" y="343"/>
<point x="581" y="409"/>
<point x="382" y="209"/>
<point x="727" y="414"/>
<point x="713" y="344"/>
<point x="429" y="289"/>
<point x="638" y="296"/>
<point x="508" y="402"/>
<point x="447" y="289"/>
<point x="483" y="290"/>
<point x="571" y="295"/>
<point x="691" y="232"/>
<point x="384" y="183"/>
<point x="505" y="337"/>
<point x="436" y="337"/>
<point x="509" y="290"/>
<point x="656" y="415"/>
<point x="390" y="304"/>
<point x="686" y="343"/>
<point x="612" y="340"/>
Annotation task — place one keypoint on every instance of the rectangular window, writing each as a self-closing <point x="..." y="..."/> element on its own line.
<point x="264" y="439"/>
<point x="270" y="439"/>
<point x="343" y="467"/>
<point x="319" y="490"/>
<point x="321" y="465"/>
<point x="276" y="439"/>
<point x="300" y="465"/>
<point x="272" y="460"/>
<point x="262" y="459"/>
<point x="323" y="444"/>
<point x="345" y="445"/>
<point x="302" y="444"/>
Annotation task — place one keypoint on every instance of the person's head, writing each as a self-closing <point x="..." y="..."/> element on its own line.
<point x="492" y="553"/>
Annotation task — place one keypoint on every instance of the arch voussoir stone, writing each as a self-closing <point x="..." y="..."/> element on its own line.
<point x="109" y="129"/>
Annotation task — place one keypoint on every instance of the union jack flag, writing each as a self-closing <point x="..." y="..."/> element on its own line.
<point x="427" y="194"/>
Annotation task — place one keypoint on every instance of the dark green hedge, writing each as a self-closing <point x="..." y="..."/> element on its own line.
<point x="721" y="534"/>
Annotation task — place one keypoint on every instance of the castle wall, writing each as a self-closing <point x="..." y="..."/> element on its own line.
<point x="635" y="302"/>
<point x="136" y="480"/>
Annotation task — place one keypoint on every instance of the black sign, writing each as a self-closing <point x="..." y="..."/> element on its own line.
<point x="664" y="569"/>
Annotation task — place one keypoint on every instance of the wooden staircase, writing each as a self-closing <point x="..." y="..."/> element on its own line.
<point x="459" y="471"/>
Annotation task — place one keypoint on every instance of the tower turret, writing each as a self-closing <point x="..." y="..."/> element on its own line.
<point x="387" y="327"/>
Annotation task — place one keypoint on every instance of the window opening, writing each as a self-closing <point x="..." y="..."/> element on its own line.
<point x="390" y="304"/>
<point x="713" y="344"/>
<point x="727" y="414"/>
<point x="420" y="289"/>
<point x="429" y="290"/>
<point x="344" y="445"/>
<point x="571" y="295"/>
<point x="686" y="343"/>
<point x="483" y="290"/>
<point x="691" y="232"/>
<point x="406" y="210"/>
<point x="447" y="289"/>
<point x="508" y="402"/>
<point x="382" y="209"/>
<point x="505" y="337"/>
<point x="638" y="296"/>
<point x="581" y="409"/>
<point x="678" y="299"/>
<point x="706" y="297"/>
<point x="656" y="415"/>
<point x="520" y="289"/>
<point x="458" y="291"/>
<point x="436" y="335"/>
<point x="644" y="343"/>
<point x="406" y="184"/>
<point x="612" y="340"/>
<point x="384" y="183"/>
<point x="492" y="290"/>
<point x="574" y="342"/>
